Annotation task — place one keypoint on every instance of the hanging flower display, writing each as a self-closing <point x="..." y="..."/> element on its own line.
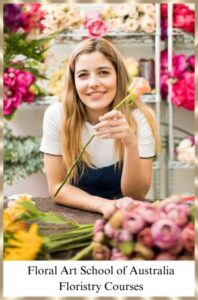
<point x="182" y="78"/>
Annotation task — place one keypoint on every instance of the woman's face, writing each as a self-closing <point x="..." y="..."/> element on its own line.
<point x="95" y="80"/>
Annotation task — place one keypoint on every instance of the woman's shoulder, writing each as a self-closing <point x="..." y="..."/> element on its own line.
<point x="54" y="111"/>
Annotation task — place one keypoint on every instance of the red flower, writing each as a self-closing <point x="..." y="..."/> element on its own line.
<point x="145" y="237"/>
<point x="184" y="18"/>
<point x="164" y="10"/>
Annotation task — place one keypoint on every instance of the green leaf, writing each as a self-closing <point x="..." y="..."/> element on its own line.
<point x="126" y="247"/>
<point x="30" y="207"/>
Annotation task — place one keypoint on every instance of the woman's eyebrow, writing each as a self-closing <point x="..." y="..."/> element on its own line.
<point x="99" y="68"/>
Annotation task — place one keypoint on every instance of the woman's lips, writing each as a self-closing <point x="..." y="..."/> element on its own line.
<point x="96" y="95"/>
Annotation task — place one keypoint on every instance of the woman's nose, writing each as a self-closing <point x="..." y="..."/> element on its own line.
<point x="94" y="81"/>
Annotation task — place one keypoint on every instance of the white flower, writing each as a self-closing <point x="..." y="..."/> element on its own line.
<point x="131" y="25"/>
<point x="147" y="24"/>
<point x="184" y="145"/>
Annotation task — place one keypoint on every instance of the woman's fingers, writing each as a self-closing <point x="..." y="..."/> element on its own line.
<point x="111" y="115"/>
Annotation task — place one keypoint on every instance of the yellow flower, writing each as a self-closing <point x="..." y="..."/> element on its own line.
<point x="25" y="245"/>
<point x="12" y="214"/>
<point x="10" y="223"/>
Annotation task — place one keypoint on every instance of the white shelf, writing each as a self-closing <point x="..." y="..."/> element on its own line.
<point x="180" y="165"/>
<point x="77" y="35"/>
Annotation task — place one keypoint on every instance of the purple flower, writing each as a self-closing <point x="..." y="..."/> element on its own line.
<point x="133" y="222"/>
<point x="165" y="233"/>
<point x="13" y="16"/>
<point x="177" y="213"/>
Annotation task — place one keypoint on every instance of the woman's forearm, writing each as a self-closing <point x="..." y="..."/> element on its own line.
<point x="135" y="181"/>
<point x="74" y="197"/>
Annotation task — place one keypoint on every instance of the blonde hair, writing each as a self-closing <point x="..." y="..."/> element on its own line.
<point x="74" y="111"/>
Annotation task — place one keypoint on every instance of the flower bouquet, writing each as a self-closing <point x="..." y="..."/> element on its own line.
<point x="136" y="230"/>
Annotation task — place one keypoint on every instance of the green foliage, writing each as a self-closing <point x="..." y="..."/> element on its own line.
<point x="21" y="156"/>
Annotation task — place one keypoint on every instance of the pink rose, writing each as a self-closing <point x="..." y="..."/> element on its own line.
<point x="92" y="15"/>
<point x="148" y="212"/>
<point x="96" y="27"/>
<point x="139" y="86"/>
<point x="188" y="237"/>
<point x="177" y="213"/>
<point x="133" y="222"/>
<point x="165" y="233"/>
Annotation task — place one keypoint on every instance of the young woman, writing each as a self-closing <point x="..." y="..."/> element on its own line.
<point x="118" y="161"/>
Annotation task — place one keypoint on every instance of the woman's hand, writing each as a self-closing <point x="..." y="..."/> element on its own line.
<point x="113" y="125"/>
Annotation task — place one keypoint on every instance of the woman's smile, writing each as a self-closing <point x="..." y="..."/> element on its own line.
<point x="96" y="95"/>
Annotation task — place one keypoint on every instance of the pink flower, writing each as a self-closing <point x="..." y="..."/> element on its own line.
<point x="177" y="213"/>
<point x="179" y="64"/>
<point x="96" y="27"/>
<point x="184" y="18"/>
<point x="145" y="237"/>
<point x="109" y="230"/>
<point x="33" y="16"/>
<point x="188" y="237"/>
<point x="99" y="225"/>
<point x="191" y="62"/>
<point x="117" y="255"/>
<point x="165" y="233"/>
<point x="23" y="81"/>
<point x="164" y="10"/>
<point x="183" y="91"/>
<point x="98" y="237"/>
<point x="100" y="252"/>
<point x="11" y="100"/>
<point x="125" y="203"/>
<point x="122" y="235"/>
<point x="10" y="76"/>
<point x="90" y="16"/>
<point x="139" y="86"/>
<point x="148" y="212"/>
<point x="133" y="222"/>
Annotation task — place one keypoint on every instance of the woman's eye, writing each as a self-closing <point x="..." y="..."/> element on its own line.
<point x="82" y="75"/>
<point x="104" y="73"/>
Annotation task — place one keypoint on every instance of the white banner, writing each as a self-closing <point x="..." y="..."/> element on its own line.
<point x="99" y="278"/>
